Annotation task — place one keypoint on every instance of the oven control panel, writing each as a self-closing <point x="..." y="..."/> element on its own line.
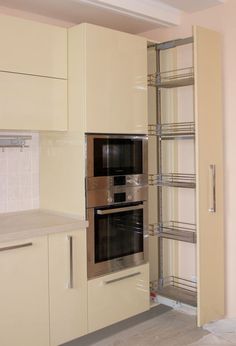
<point x="116" y="195"/>
<point x="106" y="183"/>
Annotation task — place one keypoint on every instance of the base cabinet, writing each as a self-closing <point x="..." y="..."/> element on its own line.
<point x="117" y="296"/>
<point x="24" y="318"/>
<point x="67" y="286"/>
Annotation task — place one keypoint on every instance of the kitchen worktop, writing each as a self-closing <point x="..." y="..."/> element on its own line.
<point x="37" y="222"/>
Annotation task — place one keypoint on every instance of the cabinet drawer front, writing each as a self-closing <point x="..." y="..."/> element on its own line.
<point x="118" y="296"/>
<point x="24" y="318"/>
<point x="32" y="47"/>
<point x="32" y="103"/>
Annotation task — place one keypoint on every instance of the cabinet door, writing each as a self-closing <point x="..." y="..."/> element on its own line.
<point x="32" y="103"/>
<point x="117" y="296"/>
<point x="33" y="48"/>
<point x="116" y="81"/>
<point x="24" y="318"/>
<point x="208" y="112"/>
<point x="68" y="286"/>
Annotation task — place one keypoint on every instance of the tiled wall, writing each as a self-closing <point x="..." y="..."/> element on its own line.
<point x="19" y="176"/>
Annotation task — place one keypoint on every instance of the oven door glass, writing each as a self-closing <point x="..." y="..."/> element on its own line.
<point x="118" y="232"/>
<point x="118" y="156"/>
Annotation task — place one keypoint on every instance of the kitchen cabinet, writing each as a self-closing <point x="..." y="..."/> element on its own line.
<point x="209" y="174"/>
<point x="32" y="103"/>
<point x="34" y="48"/>
<point x="33" y="76"/>
<point x="117" y="296"/>
<point x="67" y="286"/>
<point x="189" y="172"/>
<point x="24" y="318"/>
<point x="107" y="80"/>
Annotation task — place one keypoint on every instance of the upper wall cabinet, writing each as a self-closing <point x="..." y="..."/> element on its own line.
<point x="107" y="80"/>
<point x="32" y="103"/>
<point x="33" y="76"/>
<point x="33" y="48"/>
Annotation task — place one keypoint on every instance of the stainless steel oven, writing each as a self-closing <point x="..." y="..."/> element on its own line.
<point x="116" y="201"/>
<point x="117" y="235"/>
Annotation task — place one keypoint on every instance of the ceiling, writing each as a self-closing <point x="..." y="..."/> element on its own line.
<point x="134" y="16"/>
<point x="192" y="5"/>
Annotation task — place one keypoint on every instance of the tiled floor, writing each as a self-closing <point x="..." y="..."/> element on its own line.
<point x="160" y="326"/>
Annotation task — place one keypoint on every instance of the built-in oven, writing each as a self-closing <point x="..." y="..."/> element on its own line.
<point x="117" y="235"/>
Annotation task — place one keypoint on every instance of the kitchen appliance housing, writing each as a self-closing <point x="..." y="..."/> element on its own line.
<point x="116" y="204"/>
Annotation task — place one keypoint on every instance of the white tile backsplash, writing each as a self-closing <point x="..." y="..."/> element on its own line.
<point x="19" y="176"/>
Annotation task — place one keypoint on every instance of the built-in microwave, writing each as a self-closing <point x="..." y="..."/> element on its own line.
<point x="116" y="155"/>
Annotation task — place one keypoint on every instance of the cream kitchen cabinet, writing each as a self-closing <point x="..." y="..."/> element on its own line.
<point x="32" y="103"/>
<point x="33" y="76"/>
<point x="107" y="80"/>
<point x="24" y="318"/>
<point x="117" y="296"/>
<point x="33" y="48"/>
<point x="67" y="286"/>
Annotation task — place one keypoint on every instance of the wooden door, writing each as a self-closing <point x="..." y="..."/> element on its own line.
<point x="209" y="152"/>
<point x="67" y="286"/>
<point x="24" y="317"/>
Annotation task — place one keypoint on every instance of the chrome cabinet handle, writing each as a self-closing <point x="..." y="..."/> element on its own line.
<point x="212" y="179"/>
<point x="14" y="247"/>
<point x="118" y="210"/>
<point x="121" y="278"/>
<point x="71" y="269"/>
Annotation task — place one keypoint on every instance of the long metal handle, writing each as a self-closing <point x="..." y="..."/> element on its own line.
<point x="212" y="177"/>
<point x="119" y="210"/>
<point x="14" y="247"/>
<point x="71" y="269"/>
<point x="121" y="278"/>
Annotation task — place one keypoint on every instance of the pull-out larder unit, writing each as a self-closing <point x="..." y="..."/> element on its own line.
<point x="185" y="172"/>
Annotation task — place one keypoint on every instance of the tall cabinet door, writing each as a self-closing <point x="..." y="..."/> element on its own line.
<point x="116" y="81"/>
<point x="67" y="286"/>
<point x="208" y="113"/>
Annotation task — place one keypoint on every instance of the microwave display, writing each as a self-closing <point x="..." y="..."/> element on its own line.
<point x="118" y="156"/>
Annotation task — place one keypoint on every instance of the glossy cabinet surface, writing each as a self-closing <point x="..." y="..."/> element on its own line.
<point x="32" y="103"/>
<point x="117" y="296"/>
<point x="108" y="69"/>
<point x="209" y="154"/>
<point x="32" y="47"/>
<point x="67" y="286"/>
<point x="24" y="318"/>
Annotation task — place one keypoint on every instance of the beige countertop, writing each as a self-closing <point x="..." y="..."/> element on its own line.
<point x="34" y="223"/>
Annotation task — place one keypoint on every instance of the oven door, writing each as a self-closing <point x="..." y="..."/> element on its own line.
<point x="110" y="155"/>
<point x="117" y="238"/>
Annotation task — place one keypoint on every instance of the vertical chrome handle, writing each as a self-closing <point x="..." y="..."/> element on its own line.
<point x="212" y="179"/>
<point x="71" y="269"/>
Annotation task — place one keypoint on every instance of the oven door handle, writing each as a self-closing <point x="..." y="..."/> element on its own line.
<point x="119" y="210"/>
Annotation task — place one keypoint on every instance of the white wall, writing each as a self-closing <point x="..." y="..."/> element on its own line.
<point x="222" y="19"/>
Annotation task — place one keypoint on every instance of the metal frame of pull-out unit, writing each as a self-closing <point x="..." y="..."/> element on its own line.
<point x="173" y="287"/>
